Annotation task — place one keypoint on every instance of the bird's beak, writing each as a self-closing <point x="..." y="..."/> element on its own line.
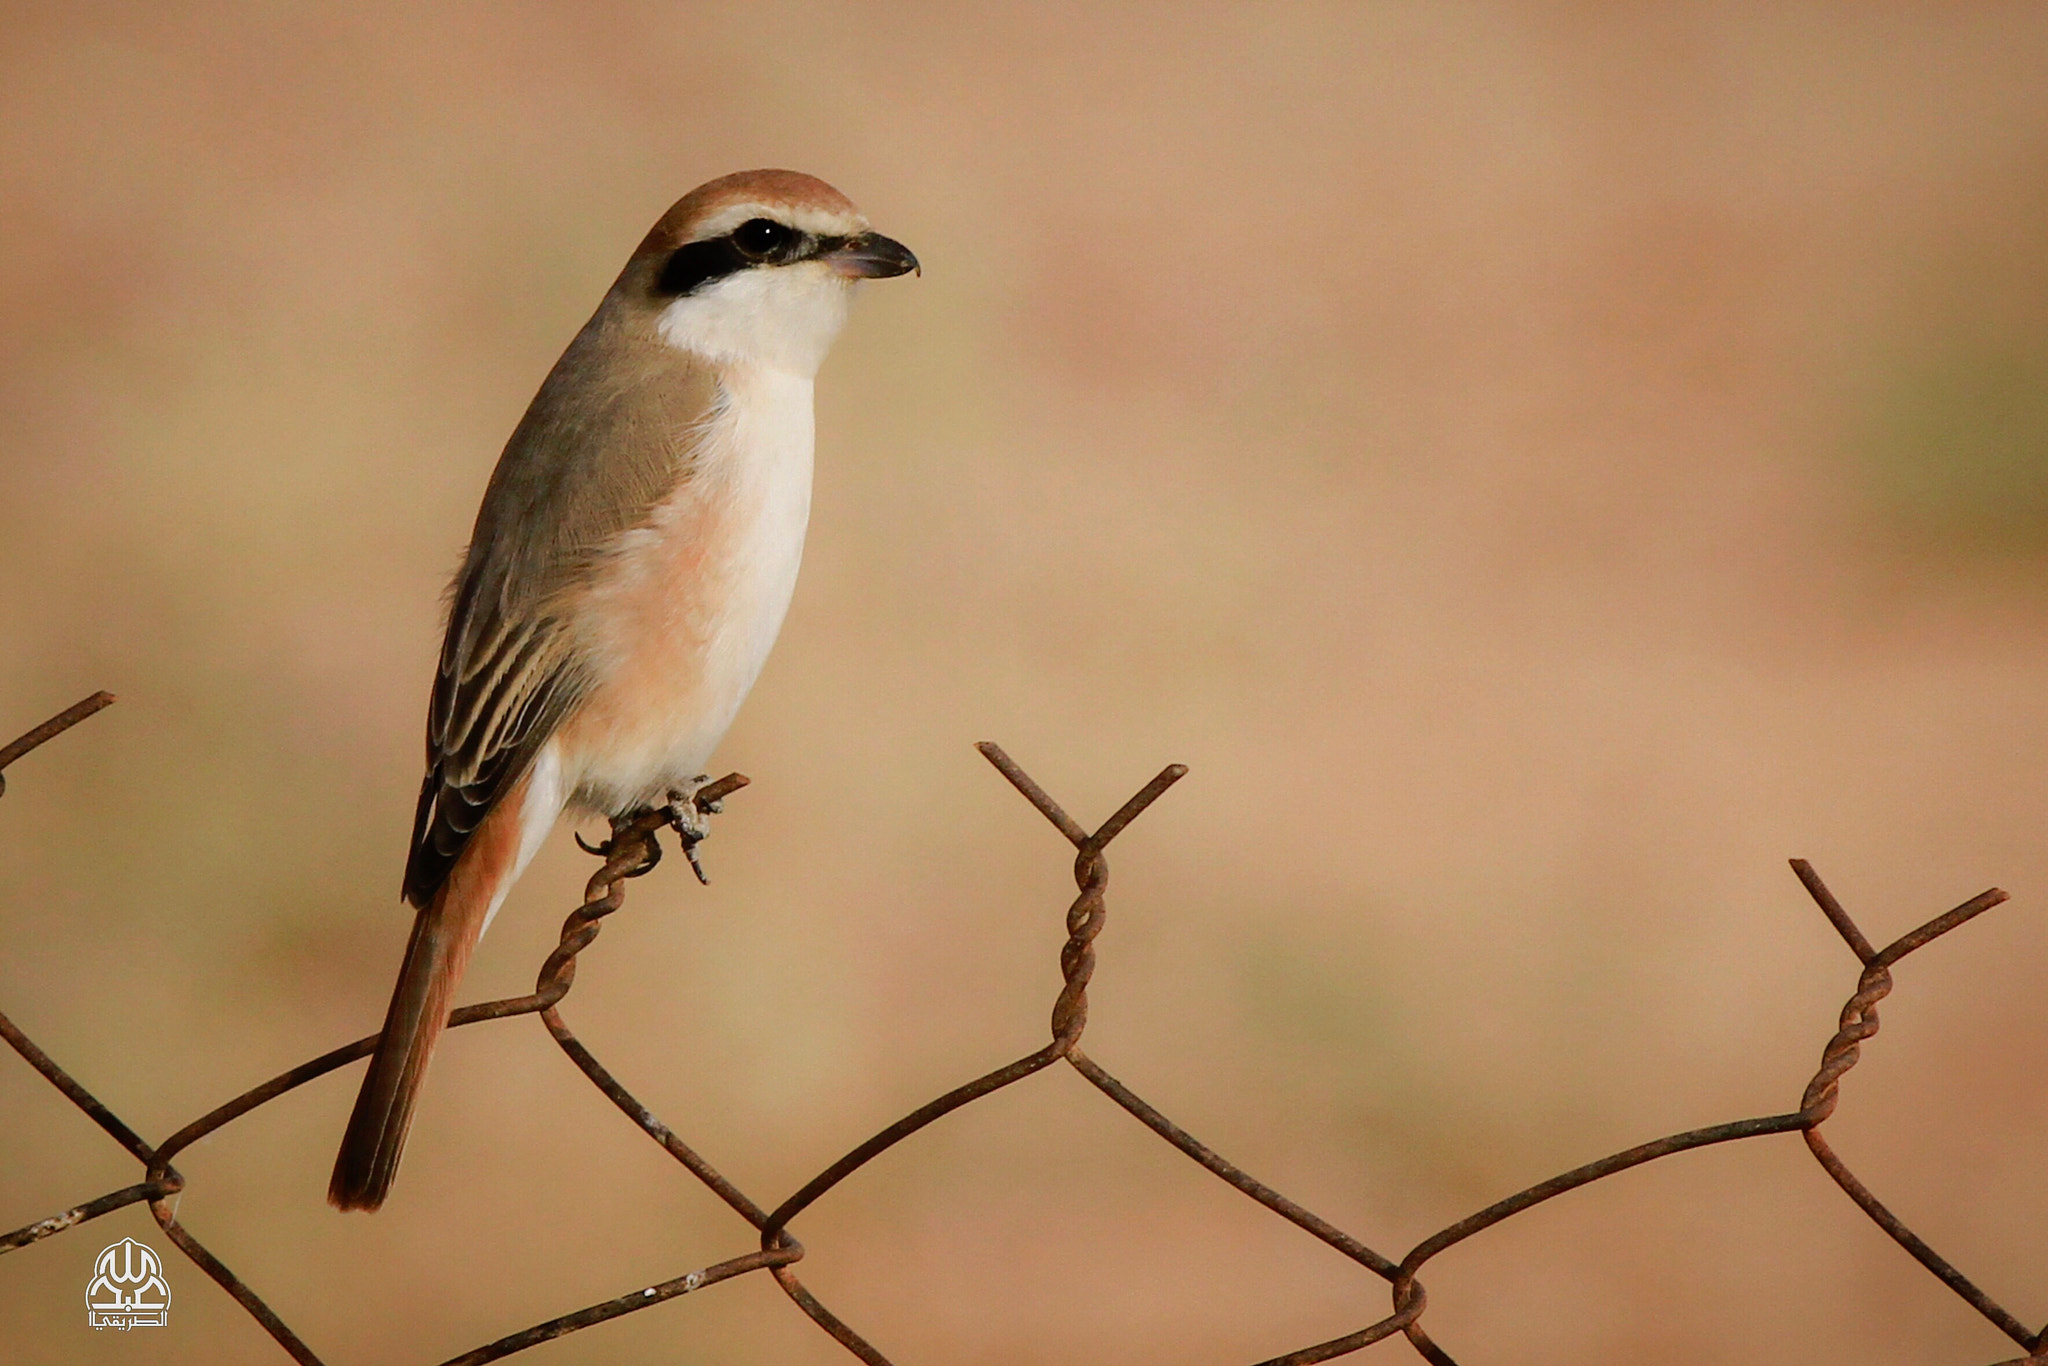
<point x="871" y="256"/>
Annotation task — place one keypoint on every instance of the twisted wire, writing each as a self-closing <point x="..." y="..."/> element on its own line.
<point x="634" y="849"/>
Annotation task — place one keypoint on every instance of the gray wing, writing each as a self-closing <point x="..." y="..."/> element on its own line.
<point x="606" y="439"/>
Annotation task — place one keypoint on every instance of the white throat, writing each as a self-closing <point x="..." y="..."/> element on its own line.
<point x="780" y="317"/>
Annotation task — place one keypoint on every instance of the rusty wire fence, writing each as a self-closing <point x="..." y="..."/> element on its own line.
<point x="633" y="850"/>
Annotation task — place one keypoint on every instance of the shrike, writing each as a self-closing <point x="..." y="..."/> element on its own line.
<point x="630" y="567"/>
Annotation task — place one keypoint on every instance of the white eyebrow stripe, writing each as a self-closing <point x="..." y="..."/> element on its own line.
<point x="803" y="217"/>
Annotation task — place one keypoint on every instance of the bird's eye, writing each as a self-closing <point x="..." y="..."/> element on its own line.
<point x="761" y="238"/>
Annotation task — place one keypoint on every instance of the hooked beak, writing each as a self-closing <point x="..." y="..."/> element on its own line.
<point x="872" y="256"/>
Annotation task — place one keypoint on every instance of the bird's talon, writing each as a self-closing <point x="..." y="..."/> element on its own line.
<point x="685" y="812"/>
<point x="686" y="815"/>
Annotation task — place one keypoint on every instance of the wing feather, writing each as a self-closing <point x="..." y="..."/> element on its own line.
<point x="608" y="437"/>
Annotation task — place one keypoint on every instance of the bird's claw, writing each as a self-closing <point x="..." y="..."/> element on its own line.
<point x="687" y="812"/>
<point x="689" y="817"/>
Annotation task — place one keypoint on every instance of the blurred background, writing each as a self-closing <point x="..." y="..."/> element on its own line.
<point x="1541" y="466"/>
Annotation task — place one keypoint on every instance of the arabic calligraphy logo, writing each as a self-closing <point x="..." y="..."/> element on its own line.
<point x="128" y="1289"/>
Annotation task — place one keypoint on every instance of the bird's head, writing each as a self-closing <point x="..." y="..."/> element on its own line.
<point x="757" y="267"/>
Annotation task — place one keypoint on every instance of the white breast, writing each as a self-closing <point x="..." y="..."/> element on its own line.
<point x="763" y="463"/>
<point x="690" y="606"/>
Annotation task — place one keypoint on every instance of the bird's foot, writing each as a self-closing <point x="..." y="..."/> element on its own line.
<point x="688" y="818"/>
<point x="690" y="809"/>
<point x="687" y="811"/>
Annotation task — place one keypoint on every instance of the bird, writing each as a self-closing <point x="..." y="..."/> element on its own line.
<point x="630" y="567"/>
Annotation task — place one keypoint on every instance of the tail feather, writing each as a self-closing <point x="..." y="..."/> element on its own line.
<point x="443" y="936"/>
<point x="434" y="960"/>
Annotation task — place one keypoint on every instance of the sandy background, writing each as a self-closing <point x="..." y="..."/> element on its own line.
<point x="1540" y="465"/>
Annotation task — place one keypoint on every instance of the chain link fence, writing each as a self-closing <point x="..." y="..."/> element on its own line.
<point x="633" y="850"/>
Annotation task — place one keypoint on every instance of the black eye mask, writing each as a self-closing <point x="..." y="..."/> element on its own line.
<point x="756" y="242"/>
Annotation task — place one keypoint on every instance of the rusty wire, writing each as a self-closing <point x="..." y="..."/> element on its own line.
<point x="633" y="850"/>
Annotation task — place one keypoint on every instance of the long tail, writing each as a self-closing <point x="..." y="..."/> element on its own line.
<point x="443" y="936"/>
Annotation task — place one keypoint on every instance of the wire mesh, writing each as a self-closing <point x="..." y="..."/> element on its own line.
<point x="633" y="850"/>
